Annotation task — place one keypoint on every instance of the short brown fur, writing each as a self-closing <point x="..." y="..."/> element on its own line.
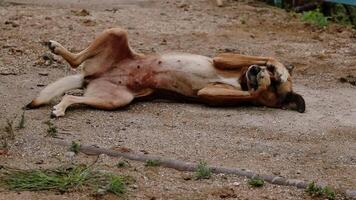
<point x="114" y="75"/>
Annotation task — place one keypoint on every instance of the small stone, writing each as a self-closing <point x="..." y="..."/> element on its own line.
<point x="134" y="186"/>
<point x="351" y="193"/>
<point x="8" y="46"/>
<point x="89" y="22"/>
<point x="81" y="13"/>
<point x="105" y="159"/>
<point x="101" y="192"/>
<point x="14" y="24"/>
<point x="4" y="151"/>
<point x="103" y="171"/>
<point x="184" y="5"/>
<point x="143" y="151"/>
<point x="236" y="183"/>
<point x="69" y="155"/>
<point x="187" y="177"/>
<point x="164" y="42"/>
<point x="6" y="73"/>
<point x="39" y="162"/>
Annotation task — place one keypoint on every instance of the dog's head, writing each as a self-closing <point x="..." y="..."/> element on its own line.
<point x="278" y="84"/>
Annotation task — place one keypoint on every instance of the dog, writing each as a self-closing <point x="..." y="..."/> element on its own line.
<point x="113" y="75"/>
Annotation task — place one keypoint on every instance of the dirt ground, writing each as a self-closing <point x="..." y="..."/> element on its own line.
<point x="318" y="145"/>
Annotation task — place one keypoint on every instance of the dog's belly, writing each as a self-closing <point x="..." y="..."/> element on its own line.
<point x="188" y="73"/>
<point x="182" y="73"/>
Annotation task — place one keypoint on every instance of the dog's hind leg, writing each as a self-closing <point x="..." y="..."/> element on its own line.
<point x="112" y="43"/>
<point x="55" y="89"/>
<point x="99" y="94"/>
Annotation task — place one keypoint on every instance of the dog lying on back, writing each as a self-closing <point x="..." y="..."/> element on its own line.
<point x="113" y="75"/>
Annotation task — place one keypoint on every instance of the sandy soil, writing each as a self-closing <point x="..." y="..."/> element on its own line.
<point x="318" y="145"/>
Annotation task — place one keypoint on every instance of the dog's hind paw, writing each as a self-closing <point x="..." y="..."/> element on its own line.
<point x="54" y="46"/>
<point x="57" y="113"/>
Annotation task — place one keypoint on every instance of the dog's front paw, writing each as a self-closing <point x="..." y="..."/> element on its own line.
<point x="280" y="72"/>
<point x="54" y="46"/>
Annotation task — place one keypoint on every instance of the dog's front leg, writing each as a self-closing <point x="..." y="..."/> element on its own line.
<point x="222" y="94"/>
<point x="232" y="61"/>
<point x="238" y="61"/>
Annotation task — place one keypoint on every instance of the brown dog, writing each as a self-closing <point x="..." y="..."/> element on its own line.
<point x="114" y="75"/>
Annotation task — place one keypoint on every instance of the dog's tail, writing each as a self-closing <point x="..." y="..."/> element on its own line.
<point x="57" y="88"/>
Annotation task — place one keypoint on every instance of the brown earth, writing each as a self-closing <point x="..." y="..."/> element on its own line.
<point x="318" y="145"/>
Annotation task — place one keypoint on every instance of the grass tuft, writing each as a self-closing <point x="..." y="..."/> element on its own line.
<point x="62" y="180"/>
<point x="256" y="182"/>
<point x="75" y="147"/>
<point x="317" y="191"/>
<point x="51" y="130"/>
<point x="122" y="163"/>
<point x="6" y="134"/>
<point x="315" y="17"/>
<point x="202" y="171"/>
<point x="9" y="129"/>
<point x="116" y="185"/>
<point x="152" y="163"/>
<point x="339" y="14"/>
<point x="22" y="121"/>
<point x="59" y="179"/>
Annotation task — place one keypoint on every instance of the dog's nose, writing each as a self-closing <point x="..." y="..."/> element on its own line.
<point x="255" y="69"/>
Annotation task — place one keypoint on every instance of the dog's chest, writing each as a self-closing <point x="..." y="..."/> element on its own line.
<point x="192" y="71"/>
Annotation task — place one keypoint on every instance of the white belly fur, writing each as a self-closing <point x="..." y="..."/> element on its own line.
<point x="195" y="70"/>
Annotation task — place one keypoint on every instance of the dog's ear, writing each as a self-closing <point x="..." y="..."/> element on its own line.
<point x="294" y="101"/>
<point x="290" y="68"/>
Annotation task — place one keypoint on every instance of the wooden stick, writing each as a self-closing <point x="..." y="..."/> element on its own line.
<point x="185" y="166"/>
<point x="188" y="166"/>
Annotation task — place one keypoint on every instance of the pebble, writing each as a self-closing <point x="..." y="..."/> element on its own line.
<point x="351" y="194"/>
<point x="43" y="73"/>
<point x="14" y="24"/>
<point x="236" y="183"/>
<point x="187" y="177"/>
<point x="69" y="155"/>
<point x="101" y="192"/>
<point x="81" y="13"/>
